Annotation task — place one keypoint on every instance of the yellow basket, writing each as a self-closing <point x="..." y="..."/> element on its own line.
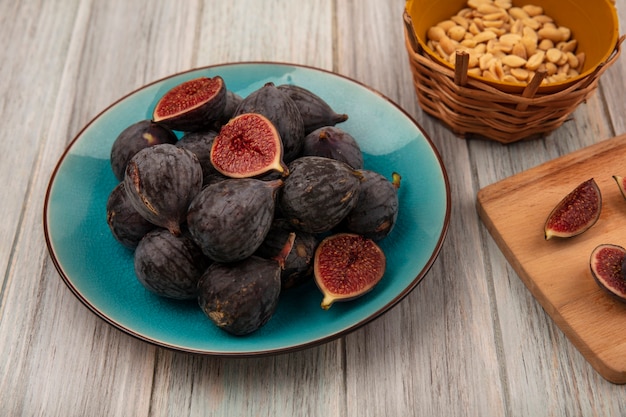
<point x="476" y="107"/>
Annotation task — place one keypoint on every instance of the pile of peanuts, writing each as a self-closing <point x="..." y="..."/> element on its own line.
<point x="508" y="43"/>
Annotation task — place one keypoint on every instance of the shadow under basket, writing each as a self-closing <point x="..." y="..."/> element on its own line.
<point x="471" y="108"/>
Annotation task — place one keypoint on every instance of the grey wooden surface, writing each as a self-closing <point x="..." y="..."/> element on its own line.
<point x="470" y="340"/>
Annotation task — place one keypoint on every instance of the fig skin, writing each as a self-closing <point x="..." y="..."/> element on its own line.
<point x="230" y="219"/>
<point x="248" y="146"/>
<point x="200" y="144"/>
<point x="280" y="109"/>
<point x="314" y="110"/>
<point x="335" y="143"/>
<point x="347" y="266"/>
<point x="240" y="297"/>
<point x="169" y="266"/>
<point x="127" y="226"/>
<point x="318" y="193"/>
<point x="376" y="210"/>
<point x="576" y="212"/>
<point x="194" y="105"/>
<point x="233" y="100"/>
<point x="607" y="264"/>
<point x="134" y="138"/>
<point x="298" y="264"/>
<point x="620" y="184"/>
<point x="161" y="181"/>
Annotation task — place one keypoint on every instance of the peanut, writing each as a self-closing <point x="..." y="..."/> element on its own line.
<point x="508" y="43"/>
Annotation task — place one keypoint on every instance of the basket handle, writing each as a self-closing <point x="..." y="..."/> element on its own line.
<point x="408" y="24"/>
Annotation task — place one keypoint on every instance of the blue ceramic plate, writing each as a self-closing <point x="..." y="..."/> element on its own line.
<point x="99" y="271"/>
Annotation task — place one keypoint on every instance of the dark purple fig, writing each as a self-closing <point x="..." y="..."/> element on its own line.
<point x="347" y="266"/>
<point x="333" y="142"/>
<point x="161" y="181"/>
<point x="607" y="268"/>
<point x="126" y="224"/>
<point x="318" y="193"/>
<point x="168" y="265"/>
<point x="240" y="297"/>
<point x="376" y="211"/>
<point x="200" y="144"/>
<point x="247" y="146"/>
<point x="280" y="109"/>
<point x="193" y="105"/>
<point x="133" y="139"/>
<point x="230" y="219"/>
<point x="232" y="102"/>
<point x="315" y="111"/>
<point x="298" y="265"/>
<point x="576" y="212"/>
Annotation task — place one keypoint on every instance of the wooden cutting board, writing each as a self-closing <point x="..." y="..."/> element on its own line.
<point x="556" y="271"/>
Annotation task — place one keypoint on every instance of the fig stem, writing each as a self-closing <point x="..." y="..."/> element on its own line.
<point x="285" y="251"/>
<point x="395" y="180"/>
<point x="327" y="301"/>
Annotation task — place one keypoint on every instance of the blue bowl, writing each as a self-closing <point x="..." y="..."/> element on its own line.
<point x="99" y="270"/>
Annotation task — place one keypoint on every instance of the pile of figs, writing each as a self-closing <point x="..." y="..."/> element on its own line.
<point x="576" y="213"/>
<point x="231" y="201"/>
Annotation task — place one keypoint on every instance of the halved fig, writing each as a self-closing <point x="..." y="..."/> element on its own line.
<point x="346" y="266"/>
<point x="192" y="105"/>
<point x="280" y="109"/>
<point x="247" y="146"/>
<point x="606" y="265"/>
<point x="620" y="184"/>
<point x="576" y="212"/>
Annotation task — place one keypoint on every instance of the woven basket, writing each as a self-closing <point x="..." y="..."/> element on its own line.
<point x="472" y="108"/>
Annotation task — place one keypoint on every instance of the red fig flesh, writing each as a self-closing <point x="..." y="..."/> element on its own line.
<point x="576" y="212"/>
<point x="606" y="267"/>
<point x="247" y="146"/>
<point x="346" y="266"/>
<point x="193" y="105"/>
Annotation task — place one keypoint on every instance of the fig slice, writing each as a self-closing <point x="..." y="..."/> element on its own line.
<point x="620" y="184"/>
<point x="248" y="146"/>
<point x="192" y="105"/>
<point x="346" y="266"/>
<point x="576" y="212"/>
<point x="606" y="263"/>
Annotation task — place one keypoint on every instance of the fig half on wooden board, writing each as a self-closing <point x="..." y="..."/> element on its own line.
<point x="576" y="212"/>
<point x="607" y="268"/>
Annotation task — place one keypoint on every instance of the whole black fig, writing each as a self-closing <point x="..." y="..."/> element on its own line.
<point x="298" y="265"/>
<point x="376" y="210"/>
<point x="168" y="265"/>
<point x="229" y="219"/>
<point x="161" y="181"/>
<point x="333" y="142"/>
<point x="240" y="297"/>
<point x="126" y="224"/>
<point x="133" y="139"/>
<point x="200" y="144"/>
<point x="315" y="111"/>
<point x="318" y="193"/>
